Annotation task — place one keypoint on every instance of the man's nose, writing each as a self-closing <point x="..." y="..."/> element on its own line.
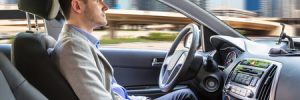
<point x="105" y="7"/>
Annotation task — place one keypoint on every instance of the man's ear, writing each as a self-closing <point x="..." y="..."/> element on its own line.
<point x="76" y="6"/>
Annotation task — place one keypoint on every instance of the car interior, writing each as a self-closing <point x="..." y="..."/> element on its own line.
<point x="216" y="63"/>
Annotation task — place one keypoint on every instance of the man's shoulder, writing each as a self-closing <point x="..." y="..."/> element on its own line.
<point x="69" y="42"/>
<point x="68" y="32"/>
<point x="71" y="37"/>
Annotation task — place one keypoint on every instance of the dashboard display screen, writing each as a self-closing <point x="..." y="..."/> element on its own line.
<point x="256" y="63"/>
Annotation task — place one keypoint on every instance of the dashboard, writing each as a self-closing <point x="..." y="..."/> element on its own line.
<point x="250" y="73"/>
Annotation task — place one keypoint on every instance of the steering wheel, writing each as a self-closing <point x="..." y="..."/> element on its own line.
<point x="177" y="62"/>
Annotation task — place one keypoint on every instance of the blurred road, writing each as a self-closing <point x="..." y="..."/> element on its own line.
<point x="141" y="45"/>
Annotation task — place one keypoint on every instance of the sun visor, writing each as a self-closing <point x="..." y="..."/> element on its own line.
<point x="47" y="9"/>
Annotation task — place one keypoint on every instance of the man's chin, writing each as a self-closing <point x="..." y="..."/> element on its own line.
<point x="101" y="23"/>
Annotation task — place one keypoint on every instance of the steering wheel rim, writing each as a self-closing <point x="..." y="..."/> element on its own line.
<point x="177" y="62"/>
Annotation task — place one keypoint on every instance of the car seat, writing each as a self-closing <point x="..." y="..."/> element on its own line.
<point x="31" y="54"/>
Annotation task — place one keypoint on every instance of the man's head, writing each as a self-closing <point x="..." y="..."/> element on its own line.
<point x="89" y="12"/>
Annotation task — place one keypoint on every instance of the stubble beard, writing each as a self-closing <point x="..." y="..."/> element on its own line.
<point x="95" y="22"/>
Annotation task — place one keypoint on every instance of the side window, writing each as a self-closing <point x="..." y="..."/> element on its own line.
<point x="140" y="39"/>
<point x="145" y="24"/>
<point x="13" y="21"/>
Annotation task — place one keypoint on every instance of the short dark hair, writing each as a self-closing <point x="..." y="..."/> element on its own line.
<point x="66" y="7"/>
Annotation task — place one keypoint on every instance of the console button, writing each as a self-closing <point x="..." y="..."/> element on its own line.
<point x="250" y="77"/>
<point x="254" y="81"/>
<point x="247" y="82"/>
<point x="233" y="76"/>
<point x="237" y="90"/>
<point x="243" y="94"/>
<point x="243" y="90"/>
<point x="233" y="90"/>
<point x="237" y="78"/>
<point x="249" y="94"/>
<point x="241" y="80"/>
<point x="246" y="76"/>
<point x="260" y="73"/>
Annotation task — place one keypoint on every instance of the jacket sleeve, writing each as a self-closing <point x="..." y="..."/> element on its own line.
<point x="78" y="65"/>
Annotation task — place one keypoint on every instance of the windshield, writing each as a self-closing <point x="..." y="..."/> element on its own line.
<point x="256" y="18"/>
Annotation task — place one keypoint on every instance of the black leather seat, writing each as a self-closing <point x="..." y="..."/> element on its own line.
<point x="13" y="84"/>
<point x="31" y="56"/>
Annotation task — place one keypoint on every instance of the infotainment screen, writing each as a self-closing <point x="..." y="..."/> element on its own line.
<point x="256" y="63"/>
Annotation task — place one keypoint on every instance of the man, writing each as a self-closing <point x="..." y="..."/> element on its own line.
<point x="82" y="64"/>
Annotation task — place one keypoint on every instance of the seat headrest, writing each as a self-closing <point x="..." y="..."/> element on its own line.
<point x="41" y="39"/>
<point x="46" y="9"/>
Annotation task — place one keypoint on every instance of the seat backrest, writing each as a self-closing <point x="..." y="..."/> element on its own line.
<point x="13" y="84"/>
<point x="31" y="57"/>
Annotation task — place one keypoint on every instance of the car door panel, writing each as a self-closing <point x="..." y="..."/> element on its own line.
<point x="136" y="71"/>
<point x="134" y="67"/>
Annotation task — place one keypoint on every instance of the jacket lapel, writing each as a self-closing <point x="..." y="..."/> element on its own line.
<point x="102" y="58"/>
<point x="67" y="29"/>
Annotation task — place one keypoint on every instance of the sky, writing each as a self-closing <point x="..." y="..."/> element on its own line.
<point x="125" y="3"/>
<point x="7" y="1"/>
<point x="1" y="1"/>
<point x="213" y="4"/>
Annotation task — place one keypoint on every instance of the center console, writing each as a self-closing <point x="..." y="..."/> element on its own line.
<point x="252" y="79"/>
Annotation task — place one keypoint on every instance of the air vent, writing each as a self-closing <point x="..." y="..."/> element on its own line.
<point x="264" y="90"/>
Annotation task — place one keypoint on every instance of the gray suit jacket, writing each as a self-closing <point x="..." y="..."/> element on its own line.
<point x="83" y="66"/>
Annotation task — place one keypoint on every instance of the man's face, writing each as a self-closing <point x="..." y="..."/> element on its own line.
<point x="95" y="12"/>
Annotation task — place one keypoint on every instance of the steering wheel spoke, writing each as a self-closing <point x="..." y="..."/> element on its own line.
<point x="166" y="77"/>
<point x="170" y="74"/>
<point x="167" y="61"/>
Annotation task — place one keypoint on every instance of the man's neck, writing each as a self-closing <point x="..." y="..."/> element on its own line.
<point x="81" y="25"/>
